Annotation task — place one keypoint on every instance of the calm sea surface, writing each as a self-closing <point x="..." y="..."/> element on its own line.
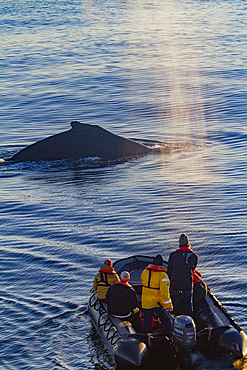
<point x="166" y="70"/>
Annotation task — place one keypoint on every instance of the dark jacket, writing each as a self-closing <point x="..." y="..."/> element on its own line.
<point x="181" y="264"/>
<point x="121" y="299"/>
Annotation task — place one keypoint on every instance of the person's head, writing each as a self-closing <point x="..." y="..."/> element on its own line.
<point x="125" y="276"/>
<point x="184" y="241"/>
<point x="108" y="262"/>
<point x="158" y="260"/>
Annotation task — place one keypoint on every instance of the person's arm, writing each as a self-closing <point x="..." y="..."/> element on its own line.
<point x="193" y="261"/>
<point x="164" y="291"/>
<point x="117" y="278"/>
<point x="134" y="299"/>
<point x="108" y="296"/>
<point x="95" y="284"/>
<point x="169" y="267"/>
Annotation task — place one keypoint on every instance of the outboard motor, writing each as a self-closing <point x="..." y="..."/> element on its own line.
<point x="184" y="336"/>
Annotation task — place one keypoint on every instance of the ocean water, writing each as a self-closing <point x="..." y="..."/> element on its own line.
<point x="167" y="70"/>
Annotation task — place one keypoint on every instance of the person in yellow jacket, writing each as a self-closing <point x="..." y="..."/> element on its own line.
<point x="155" y="292"/>
<point x="104" y="279"/>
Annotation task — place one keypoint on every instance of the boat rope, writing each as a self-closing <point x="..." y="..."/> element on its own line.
<point x="104" y="321"/>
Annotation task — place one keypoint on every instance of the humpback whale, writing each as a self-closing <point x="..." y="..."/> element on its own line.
<point x="81" y="141"/>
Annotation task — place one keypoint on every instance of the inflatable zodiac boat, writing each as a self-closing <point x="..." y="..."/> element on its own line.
<point x="213" y="330"/>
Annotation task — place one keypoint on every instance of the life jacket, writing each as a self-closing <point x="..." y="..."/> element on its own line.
<point x="155" y="287"/>
<point x="151" y="268"/>
<point x="124" y="283"/>
<point x="186" y="252"/>
<point x="184" y="248"/>
<point x="103" y="277"/>
<point x="196" y="276"/>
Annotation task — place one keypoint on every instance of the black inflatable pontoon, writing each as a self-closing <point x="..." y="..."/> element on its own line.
<point x="121" y="340"/>
<point x="213" y="330"/>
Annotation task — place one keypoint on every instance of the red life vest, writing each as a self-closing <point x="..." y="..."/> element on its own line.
<point x="196" y="276"/>
<point x="184" y="249"/>
<point x="107" y="271"/>
<point x="124" y="283"/>
<point x="155" y="268"/>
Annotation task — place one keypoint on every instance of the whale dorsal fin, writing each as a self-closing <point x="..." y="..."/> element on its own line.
<point x="77" y="124"/>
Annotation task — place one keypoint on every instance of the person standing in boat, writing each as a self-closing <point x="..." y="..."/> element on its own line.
<point x="104" y="279"/>
<point x="155" y="293"/>
<point x="122" y="301"/>
<point x="181" y="264"/>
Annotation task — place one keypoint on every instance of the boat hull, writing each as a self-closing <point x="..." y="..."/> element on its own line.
<point x="216" y="331"/>
<point x="118" y="336"/>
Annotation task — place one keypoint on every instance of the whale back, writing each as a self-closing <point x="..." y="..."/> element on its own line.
<point x="82" y="140"/>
